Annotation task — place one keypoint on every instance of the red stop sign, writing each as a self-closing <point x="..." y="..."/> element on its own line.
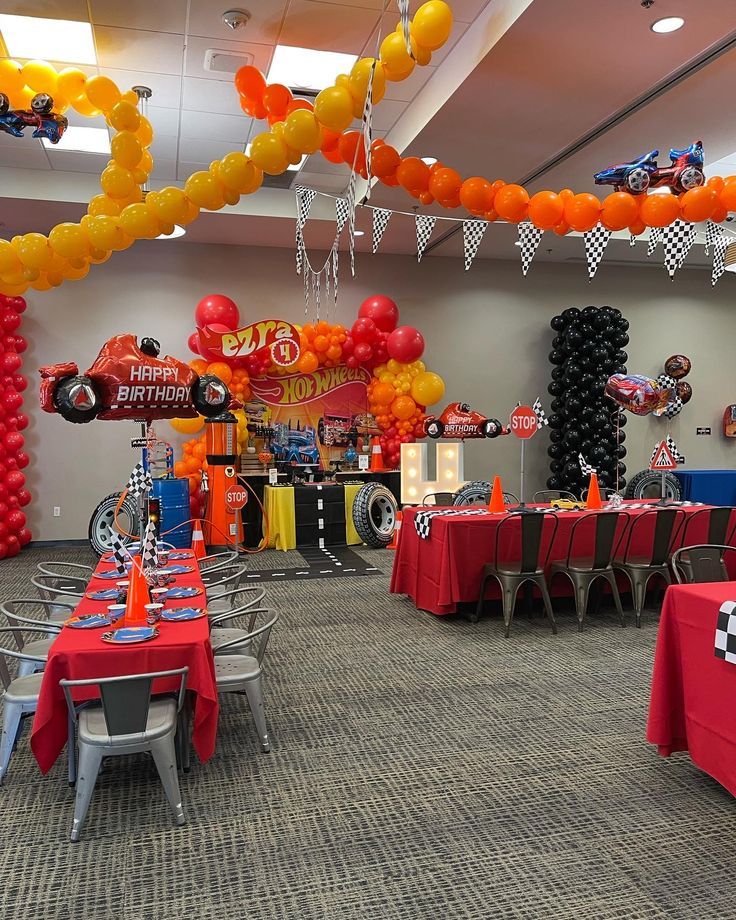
<point x="523" y="422"/>
<point x="236" y="496"/>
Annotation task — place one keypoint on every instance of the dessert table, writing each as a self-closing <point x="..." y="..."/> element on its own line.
<point x="81" y="653"/>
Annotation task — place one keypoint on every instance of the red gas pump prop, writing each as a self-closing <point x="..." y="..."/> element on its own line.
<point x="223" y="523"/>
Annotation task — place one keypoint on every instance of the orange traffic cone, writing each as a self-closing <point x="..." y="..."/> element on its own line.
<point x="395" y="535"/>
<point x="138" y="596"/>
<point x="593" y="501"/>
<point x="497" y="504"/>
<point x="377" y="464"/>
<point x="198" y="546"/>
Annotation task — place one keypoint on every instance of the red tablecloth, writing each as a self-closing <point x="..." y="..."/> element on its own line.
<point x="80" y="653"/>
<point x="693" y="692"/>
<point x="444" y="570"/>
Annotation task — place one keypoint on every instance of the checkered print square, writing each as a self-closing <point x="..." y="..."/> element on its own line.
<point x="725" y="640"/>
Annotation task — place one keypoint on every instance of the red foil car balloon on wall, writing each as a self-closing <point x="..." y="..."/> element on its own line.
<point x="459" y="421"/>
<point x="640" y="395"/>
<point x="130" y="381"/>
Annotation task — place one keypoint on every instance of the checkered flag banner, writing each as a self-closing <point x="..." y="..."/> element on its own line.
<point x="473" y="231"/>
<point x="139" y="481"/>
<point x="149" y="556"/>
<point x="342" y="209"/>
<point x="529" y="237"/>
<point x="677" y="240"/>
<point x="720" y="245"/>
<point x="381" y="217"/>
<point x="404" y="13"/>
<point x="304" y="198"/>
<point x="655" y="235"/>
<point x="632" y="240"/>
<point x="673" y="408"/>
<point x="119" y="553"/>
<point x="679" y="458"/>
<point x="725" y="640"/>
<point x="711" y="234"/>
<point x="537" y="409"/>
<point x="585" y="467"/>
<point x="596" y="241"/>
<point x="425" y="225"/>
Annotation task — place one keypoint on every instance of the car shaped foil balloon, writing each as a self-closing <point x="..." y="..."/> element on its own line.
<point x="130" y="381"/>
<point x="685" y="172"/>
<point x="640" y="395"/>
<point x="458" y="420"/>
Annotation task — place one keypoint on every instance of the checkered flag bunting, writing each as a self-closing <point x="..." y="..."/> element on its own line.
<point x="679" y="458"/>
<point x="596" y="241"/>
<point x="473" y="231"/>
<point x="139" y="481"/>
<point x="585" y="467"/>
<point x="381" y="217"/>
<point x="304" y="198"/>
<point x="712" y="232"/>
<point x="404" y="14"/>
<point x="529" y="237"/>
<point x="673" y="408"/>
<point x="119" y="553"/>
<point x="149" y="555"/>
<point x="655" y="235"/>
<point x="537" y="409"/>
<point x="720" y="245"/>
<point x="425" y="225"/>
<point x="342" y="209"/>
<point x="725" y="640"/>
<point x="632" y="240"/>
<point x="677" y="240"/>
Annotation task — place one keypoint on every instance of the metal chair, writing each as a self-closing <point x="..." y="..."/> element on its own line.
<point x="219" y="612"/>
<point x="18" y="613"/>
<point x="512" y="575"/>
<point x="583" y="571"/>
<point x="440" y="498"/>
<point x="222" y="579"/>
<point x="701" y="563"/>
<point x="718" y="530"/>
<point x="640" y="569"/>
<point x="214" y="561"/>
<point x="484" y="498"/>
<point x="21" y="693"/>
<point x="128" y="721"/>
<point x="542" y="496"/>
<point x="61" y="590"/>
<point x="238" y="673"/>
<point x="59" y="569"/>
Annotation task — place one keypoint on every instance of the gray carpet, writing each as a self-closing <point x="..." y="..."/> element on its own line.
<point x="421" y="768"/>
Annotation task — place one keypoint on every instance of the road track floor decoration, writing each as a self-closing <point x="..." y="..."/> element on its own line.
<point x="319" y="562"/>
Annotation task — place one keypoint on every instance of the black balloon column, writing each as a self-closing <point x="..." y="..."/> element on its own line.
<point x="587" y="348"/>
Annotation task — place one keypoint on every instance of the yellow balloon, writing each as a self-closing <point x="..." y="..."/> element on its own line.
<point x="40" y="76"/>
<point x="22" y="98"/>
<point x="422" y="55"/>
<point x="192" y="213"/>
<point x="102" y="93"/>
<point x="146" y="161"/>
<point x="71" y="82"/>
<point x="138" y="221"/>
<point x="170" y="205"/>
<point x="334" y="107"/>
<point x="130" y="96"/>
<point x="126" y="149"/>
<point x="11" y="79"/>
<point x="76" y="274"/>
<point x="31" y="274"/>
<point x="236" y="171"/>
<point x="144" y="132"/>
<point x="117" y="182"/>
<point x="124" y="116"/>
<point x="69" y="240"/>
<point x="358" y="81"/>
<point x="13" y="290"/>
<point x="432" y="24"/>
<point x="98" y="256"/>
<point x="102" y="205"/>
<point x="427" y="388"/>
<point x="230" y="197"/>
<point x="187" y="425"/>
<point x="41" y="283"/>
<point x="302" y="131"/>
<point x="396" y="62"/>
<point x="269" y="153"/>
<point x="34" y="251"/>
<point x="82" y="105"/>
<point x="103" y="231"/>
<point x="394" y="366"/>
<point x="9" y="259"/>
<point x="205" y="191"/>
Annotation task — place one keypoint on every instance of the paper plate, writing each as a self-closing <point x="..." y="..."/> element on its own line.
<point x="183" y="613"/>
<point x="89" y="621"/>
<point x="109" y="576"/>
<point x="107" y="594"/>
<point x="177" y="593"/>
<point x="181" y="555"/>
<point x="179" y="569"/>
<point x="129" y="635"/>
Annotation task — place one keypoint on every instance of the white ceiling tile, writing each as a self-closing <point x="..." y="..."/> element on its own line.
<point x="385" y="114"/>
<point x="166" y="87"/>
<point x="259" y="56"/>
<point x="164" y="121"/>
<point x="211" y="96"/>
<point x="467" y="10"/>
<point x="229" y="128"/>
<point x="323" y="181"/>
<point x="27" y="157"/>
<point x="161" y="15"/>
<point x="318" y="164"/>
<point x="202" y="150"/>
<point x="80" y="121"/>
<point x="205" y="20"/>
<point x="75" y="10"/>
<point x="376" y="5"/>
<point x="406" y="90"/>
<point x="164" y="172"/>
<point x="75" y="161"/>
<point x="133" y="49"/>
<point x="327" y="27"/>
<point x="458" y="30"/>
<point x="164" y="146"/>
<point x="186" y="168"/>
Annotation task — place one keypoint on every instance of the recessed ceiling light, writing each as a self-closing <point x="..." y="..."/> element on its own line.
<point x="305" y="68"/>
<point x="177" y="231"/>
<point x="430" y="161"/>
<point x="48" y="39"/>
<point x="359" y="233"/>
<point x="85" y="140"/>
<point x="668" y="24"/>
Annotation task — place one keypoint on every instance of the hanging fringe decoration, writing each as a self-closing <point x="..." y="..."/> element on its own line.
<point x="473" y="231"/>
<point x="596" y="241"/>
<point x="404" y="14"/>
<point x="425" y="225"/>
<point x="529" y="237"/>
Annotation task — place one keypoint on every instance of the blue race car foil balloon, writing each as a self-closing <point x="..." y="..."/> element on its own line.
<point x="685" y="172"/>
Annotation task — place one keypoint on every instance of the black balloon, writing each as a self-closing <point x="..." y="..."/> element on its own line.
<point x="557" y="373"/>
<point x="558" y="323"/>
<point x="556" y="388"/>
<point x="555" y="451"/>
<point x="556" y="405"/>
<point x="555" y="421"/>
<point x="623" y="325"/>
<point x="570" y="314"/>
<point x="557" y="356"/>
<point x="554" y="482"/>
<point x="572" y="438"/>
<point x="555" y="436"/>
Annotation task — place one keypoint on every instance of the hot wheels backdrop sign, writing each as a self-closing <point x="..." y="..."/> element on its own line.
<point x="274" y="336"/>
<point x="299" y="389"/>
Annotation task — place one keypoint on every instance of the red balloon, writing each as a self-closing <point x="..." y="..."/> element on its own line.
<point x="364" y="331"/>
<point x="12" y="400"/>
<point x="15" y="480"/>
<point x="24" y="536"/>
<point x="13" y="545"/>
<point x="351" y="361"/>
<point x="13" y="441"/>
<point x="16" y="303"/>
<point x="15" y="520"/>
<point x="13" y="502"/>
<point x="382" y="310"/>
<point x="20" y="344"/>
<point x="19" y="382"/>
<point x="24" y="497"/>
<point x="217" y="308"/>
<point x="9" y="321"/>
<point x="10" y="362"/>
<point x="22" y="459"/>
<point x="363" y="352"/>
<point x="193" y="343"/>
<point x="3" y="510"/>
<point x="348" y="346"/>
<point x="3" y="549"/>
<point x="405" y="344"/>
<point x="11" y="463"/>
<point x="21" y="421"/>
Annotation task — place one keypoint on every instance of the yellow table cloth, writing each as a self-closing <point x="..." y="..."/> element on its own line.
<point x="279" y="505"/>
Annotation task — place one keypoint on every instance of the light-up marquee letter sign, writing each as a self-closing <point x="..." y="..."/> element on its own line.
<point x="449" y="470"/>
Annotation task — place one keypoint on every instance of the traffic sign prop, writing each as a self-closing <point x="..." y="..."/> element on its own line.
<point x="236" y="496"/>
<point x="523" y="422"/>
<point x="662" y="459"/>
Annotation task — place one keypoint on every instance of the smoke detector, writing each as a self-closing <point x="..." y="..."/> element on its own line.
<point x="234" y="19"/>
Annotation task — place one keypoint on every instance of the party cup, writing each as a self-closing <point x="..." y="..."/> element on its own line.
<point x="153" y="613"/>
<point x="116" y="612"/>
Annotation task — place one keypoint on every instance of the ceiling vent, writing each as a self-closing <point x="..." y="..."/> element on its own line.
<point x="225" y="62"/>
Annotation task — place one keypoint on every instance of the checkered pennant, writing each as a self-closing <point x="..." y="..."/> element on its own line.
<point x="335" y="261"/>
<point x="632" y="240"/>
<point x="673" y="408"/>
<point x="149" y="556"/>
<point x="367" y="126"/>
<point x="119" y="553"/>
<point x="537" y="409"/>
<point x="677" y="240"/>
<point x="473" y="231"/>
<point x="720" y="245"/>
<point x="342" y="209"/>
<point x="381" y="217"/>
<point x="139" y="481"/>
<point x="425" y="225"/>
<point x="423" y="519"/>
<point x="725" y="639"/>
<point x="304" y="198"/>
<point x="655" y="235"/>
<point x="585" y="467"/>
<point x="404" y="13"/>
<point x="596" y="241"/>
<point x="529" y="237"/>
<point x="711" y="233"/>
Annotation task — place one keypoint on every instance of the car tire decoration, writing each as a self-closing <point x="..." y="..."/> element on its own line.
<point x="77" y="400"/>
<point x="492" y="428"/>
<point x="102" y="522"/>
<point x="637" y="181"/>
<point x="435" y="429"/>
<point x="374" y="515"/>
<point x="648" y="484"/>
<point x="210" y="395"/>
<point x="321" y="431"/>
<point x="473" y="493"/>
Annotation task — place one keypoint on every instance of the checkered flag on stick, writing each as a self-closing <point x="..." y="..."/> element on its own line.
<point x="529" y="237"/>
<point x="672" y="447"/>
<point x="119" y="553"/>
<point x="596" y="241"/>
<point x="473" y="231"/>
<point x="586" y="468"/>
<point x="537" y="409"/>
<point x="677" y="241"/>
<point x="425" y="226"/>
<point x="719" y="254"/>
<point x="139" y="481"/>
<point x="381" y="217"/>
<point x="149" y="556"/>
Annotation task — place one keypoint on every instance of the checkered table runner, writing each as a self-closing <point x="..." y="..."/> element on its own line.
<point x="725" y="645"/>
<point x="423" y="519"/>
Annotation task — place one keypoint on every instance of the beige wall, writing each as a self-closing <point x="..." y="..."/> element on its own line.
<point x="487" y="333"/>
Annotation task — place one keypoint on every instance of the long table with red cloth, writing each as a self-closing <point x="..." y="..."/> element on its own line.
<point x="445" y="570"/>
<point x="78" y="654"/>
<point x="692" y="705"/>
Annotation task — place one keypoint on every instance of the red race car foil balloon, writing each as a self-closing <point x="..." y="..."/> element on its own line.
<point x="459" y="421"/>
<point x="130" y="381"/>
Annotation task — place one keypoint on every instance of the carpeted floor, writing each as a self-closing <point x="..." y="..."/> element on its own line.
<point x="422" y="768"/>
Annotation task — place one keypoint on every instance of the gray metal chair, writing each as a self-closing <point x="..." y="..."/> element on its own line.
<point x="529" y="569"/>
<point x="60" y="569"/>
<point x="441" y="499"/>
<point x="23" y="612"/>
<point x="21" y="693"/>
<point x="61" y="590"/>
<point x="584" y="571"/>
<point x="640" y="569"/>
<point x="542" y="496"/>
<point x="239" y="673"/>
<point x="222" y="579"/>
<point x="701" y="563"/>
<point x="214" y="561"/>
<point x="713" y="526"/>
<point x="222" y="610"/>
<point x="128" y="721"/>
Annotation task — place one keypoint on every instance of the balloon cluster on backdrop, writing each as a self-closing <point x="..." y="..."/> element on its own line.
<point x="586" y="350"/>
<point x="666" y="395"/>
<point x="13" y="459"/>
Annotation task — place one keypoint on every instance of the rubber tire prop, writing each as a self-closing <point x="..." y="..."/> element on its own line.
<point x="374" y="514"/>
<point x="199" y="396"/>
<point x="103" y="518"/>
<point x="65" y="406"/>
<point x="473" y="493"/>
<point x="648" y="484"/>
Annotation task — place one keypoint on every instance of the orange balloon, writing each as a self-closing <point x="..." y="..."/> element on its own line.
<point x="699" y="203"/>
<point x="403" y="407"/>
<point x="385" y="160"/>
<point x="308" y="362"/>
<point x="562" y="229"/>
<point x="719" y="214"/>
<point x="180" y="469"/>
<point x="728" y="194"/>
<point x="476" y="195"/>
<point x="384" y="394"/>
<point x="198" y="366"/>
<point x="276" y="100"/>
<point x="193" y="463"/>
<point x="512" y="203"/>
<point x="619" y="210"/>
<point x="350" y="148"/>
<point x="194" y="484"/>
<point x="321" y="343"/>
<point x="221" y="370"/>
<point x="582" y="212"/>
<point x="323" y="328"/>
<point x="659" y="210"/>
<point x="334" y="353"/>
<point x="638" y="227"/>
<point x="716" y="182"/>
<point x="332" y="155"/>
<point x="567" y="194"/>
<point x="545" y="210"/>
<point x="444" y="184"/>
<point x="199" y="451"/>
<point x="413" y="175"/>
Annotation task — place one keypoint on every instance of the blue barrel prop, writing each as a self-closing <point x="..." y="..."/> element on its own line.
<point x="173" y="497"/>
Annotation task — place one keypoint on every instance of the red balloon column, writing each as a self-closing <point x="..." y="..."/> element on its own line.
<point x="14" y="534"/>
